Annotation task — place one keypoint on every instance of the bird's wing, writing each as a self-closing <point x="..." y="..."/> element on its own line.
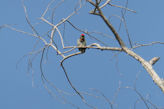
<point x="84" y="43"/>
<point x="78" y="43"/>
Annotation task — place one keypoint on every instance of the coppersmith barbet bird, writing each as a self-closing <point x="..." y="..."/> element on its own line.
<point x="81" y="43"/>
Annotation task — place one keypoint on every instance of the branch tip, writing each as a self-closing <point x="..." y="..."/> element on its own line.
<point x="154" y="60"/>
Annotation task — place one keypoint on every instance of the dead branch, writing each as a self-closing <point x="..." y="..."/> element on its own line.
<point x="149" y="44"/>
<point x="105" y="98"/>
<point x="107" y="2"/>
<point x="44" y="80"/>
<point x="83" y="99"/>
<point x="122" y="8"/>
<point x="86" y="32"/>
<point x="97" y="46"/>
<point x="77" y="92"/>
<point x="100" y="13"/>
<point x="148" y="67"/>
<point x="50" y="3"/>
<point x="154" y="60"/>
<point x="123" y="12"/>
<point x="140" y="96"/>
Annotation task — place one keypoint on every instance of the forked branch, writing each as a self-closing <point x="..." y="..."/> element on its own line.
<point x="148" y="66"/>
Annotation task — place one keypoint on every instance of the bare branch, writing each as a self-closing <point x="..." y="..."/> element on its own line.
<point x="122" y="7"/>
<point x="46" y="87"/>
<point x="102" y="34"/>
<point x="28" y="21"/>
<point x="123" y="12"/>
<point x="53" y="11"/>
<point x="44" y="13"/>
<point x="97" y="46"/>
<point x="107" y="2"/>
<point x="145" y="64"/>
<point x="122" y="19"/>
<point x="62" y="21"/>
<point x="106" y="99"/>
<point x="57" y="50"/>
<point x="149" y="44"/>
<point x="154" y="60"/>
<point x="20" y="31"/>
<point x="33" y="29"/>
<point x="139" y="94"/>
<point x="69" y="50"/>
<point x="113" y="30"/>
<point x="29" y="54"/>
<point x="74" y="54"/>
<point x="77" y="92"/>
<point x="148" y="68"/>
<point x="86" y="32"/>
<point x="118" y="38"/>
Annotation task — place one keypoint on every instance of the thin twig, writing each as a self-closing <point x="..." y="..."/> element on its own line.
<point x="105" y="4"/>
<point x="118" y="38"/>
<point x="77" y="92"/>
<point x="139" y="94"/>
<point x="86" y="32"/>
<point x="61" y="63"/>
<point x="45" y="86"/>
<point x="122" y="7"/>
<point x="33" y="29"/>
<point x="53" y="11"/>
<point x="44" y="13"/>
<point x="105" y="98"/>
<point x="123" y="12"/>
<point x="148" y="44"/>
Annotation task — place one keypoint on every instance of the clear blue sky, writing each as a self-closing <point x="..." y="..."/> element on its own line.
<point x="101" y="70"/>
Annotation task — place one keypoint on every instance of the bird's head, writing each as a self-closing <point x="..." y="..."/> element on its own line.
<point x="82" y="37"/>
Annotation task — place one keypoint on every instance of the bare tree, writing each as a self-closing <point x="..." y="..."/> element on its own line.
<point x="56" y="30"/>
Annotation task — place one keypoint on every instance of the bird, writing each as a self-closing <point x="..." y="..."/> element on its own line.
<point x="81" y="42"/>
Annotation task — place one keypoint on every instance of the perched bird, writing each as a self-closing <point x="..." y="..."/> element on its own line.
<point x="81" y="43"/>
